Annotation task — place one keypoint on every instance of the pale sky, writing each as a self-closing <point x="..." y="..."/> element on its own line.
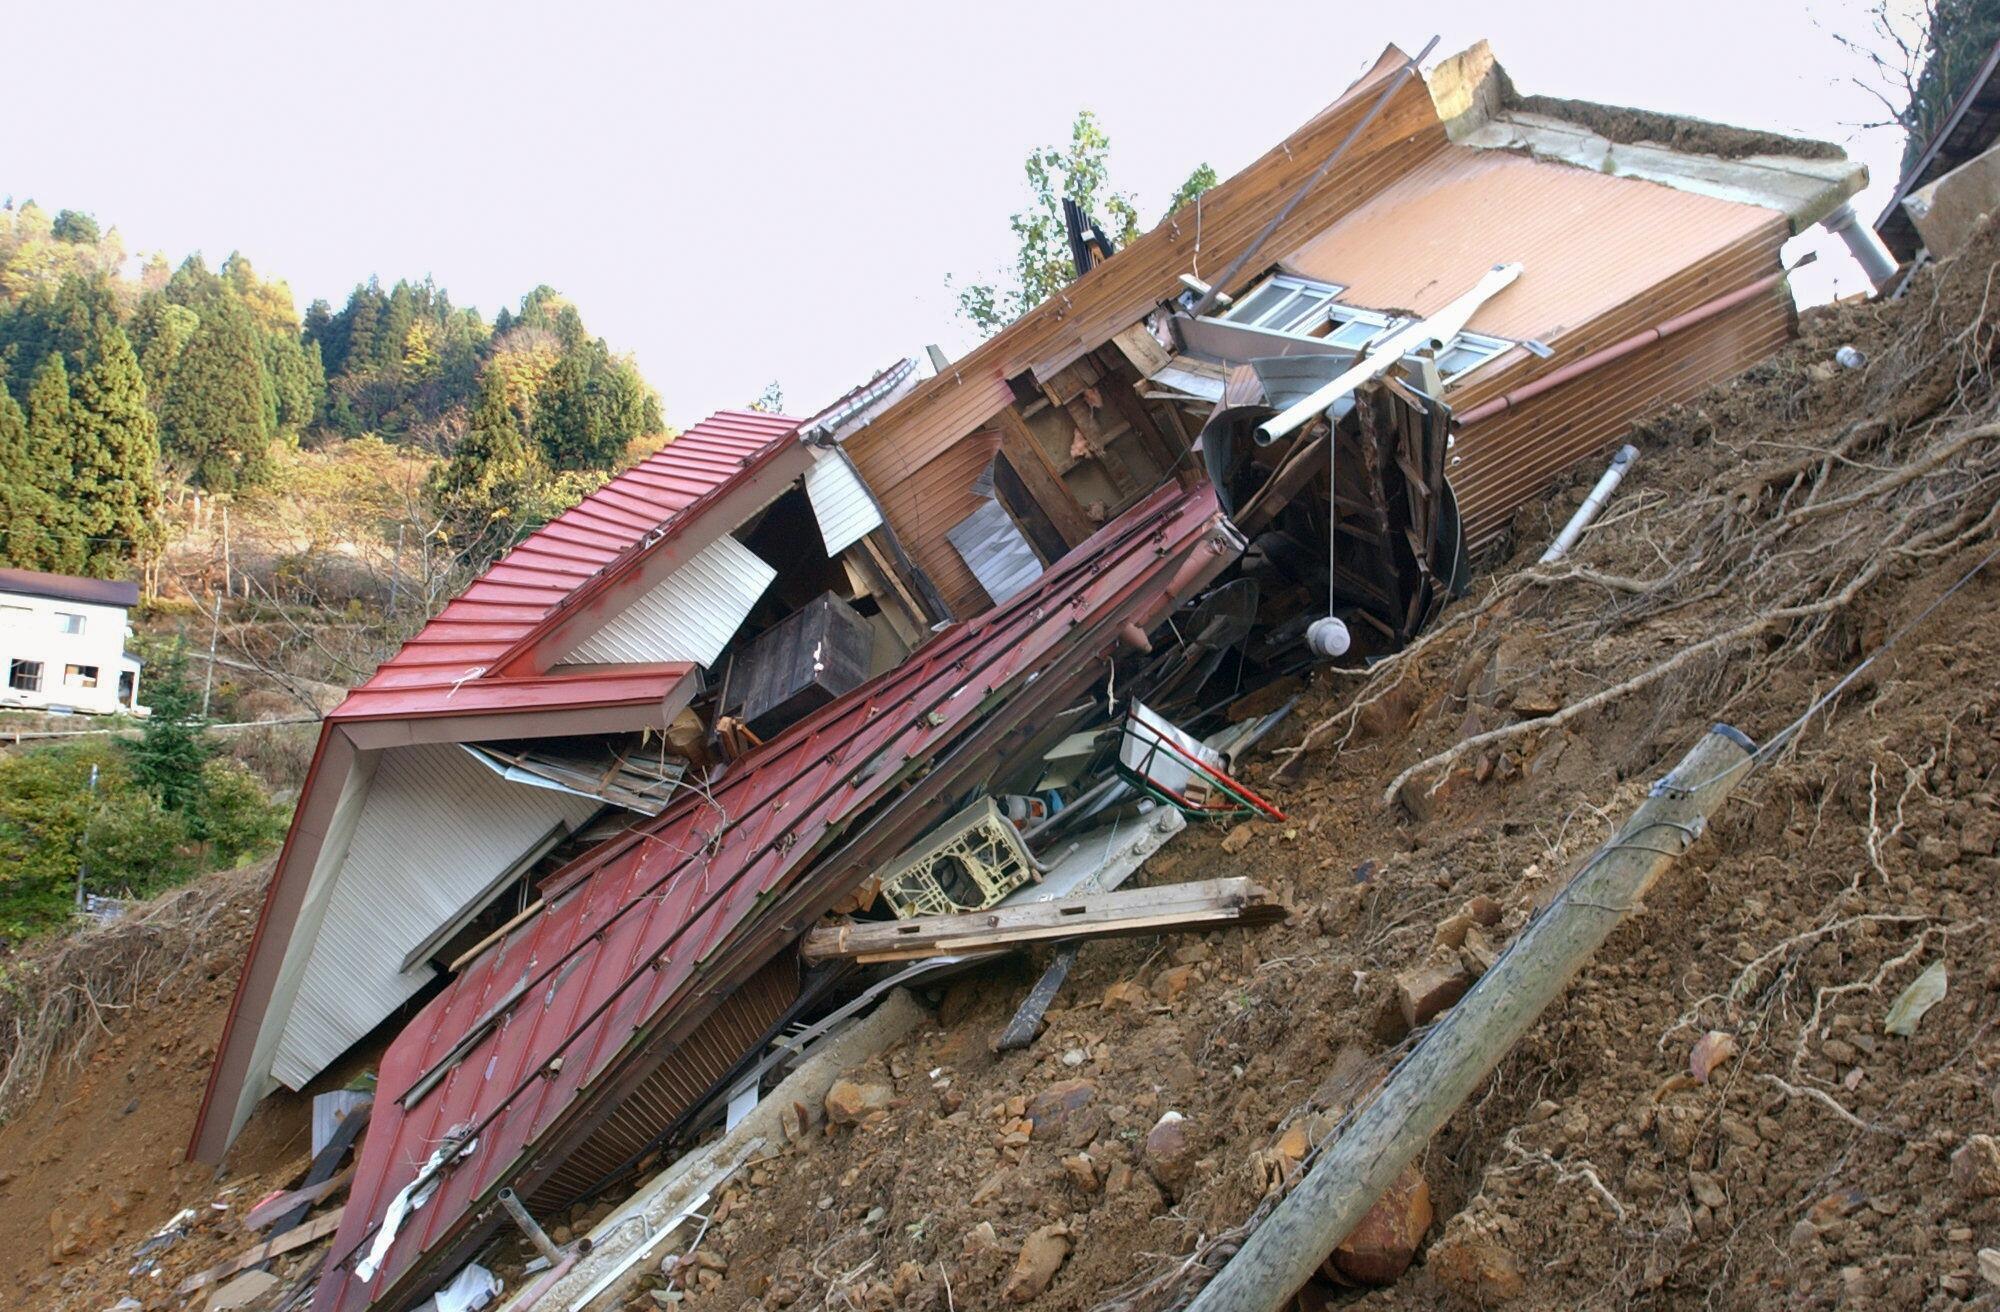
<point x="742" y="193"/>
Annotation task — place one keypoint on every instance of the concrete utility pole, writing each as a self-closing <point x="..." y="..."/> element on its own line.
<point x="83" y="856"/>
<point x="1455" y="1058"/>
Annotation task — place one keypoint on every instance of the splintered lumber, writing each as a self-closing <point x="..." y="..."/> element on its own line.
<point x="271" y="1209"/>
<point x="317" y="1228"/>
<point x="1208" y="904"/>
<point x="1455" y="1058"/>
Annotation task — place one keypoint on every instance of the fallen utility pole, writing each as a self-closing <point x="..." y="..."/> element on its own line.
<point x="1455" y="1058"/>
<point x="1207" y="904"/>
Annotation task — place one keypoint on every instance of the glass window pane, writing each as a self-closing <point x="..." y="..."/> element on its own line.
<point x="1252" y="308"/>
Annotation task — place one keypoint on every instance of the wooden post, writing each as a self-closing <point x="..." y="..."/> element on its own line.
<point x="1455" y="1058"/>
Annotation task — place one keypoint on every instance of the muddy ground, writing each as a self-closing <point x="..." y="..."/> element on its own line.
<point x="1773" y="536"/>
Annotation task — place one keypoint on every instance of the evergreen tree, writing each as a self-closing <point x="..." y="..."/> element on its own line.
<point x="569" y="423"/>
<point x="160" y="330"/>
<point x="26" y="508"/>
<point x="62" y="547"/>
<point x="114" y="451"/>
<point x="492" y="475"/>
<point x="214" y="419"/>
<point x="171" y="750"/>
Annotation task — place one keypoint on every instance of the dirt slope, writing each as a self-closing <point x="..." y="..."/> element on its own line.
<point x="90" y="1164"/>
<point x="1773" y="535"/>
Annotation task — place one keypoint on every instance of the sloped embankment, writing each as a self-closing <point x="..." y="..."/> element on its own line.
<point x="1775" y="534"/>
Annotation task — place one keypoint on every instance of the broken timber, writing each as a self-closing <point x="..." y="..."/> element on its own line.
<point x="317" y="1228"/>
<point x="1209" y="904"/>
<point x="1455" y="1057"/>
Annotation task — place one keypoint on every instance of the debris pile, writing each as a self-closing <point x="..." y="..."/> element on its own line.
<point x="1033" y="834"/>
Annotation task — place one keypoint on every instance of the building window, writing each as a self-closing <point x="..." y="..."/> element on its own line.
<point x="68" y="622"/>
<point x="1299" y="307"/>
<point x="1284" y="304"/>
<point x="24" y="676"/>
<point x="79" y="676"/>
<point x="1467" y="352"/>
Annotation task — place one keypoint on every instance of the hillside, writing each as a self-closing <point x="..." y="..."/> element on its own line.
<point x="1784" y="531"/>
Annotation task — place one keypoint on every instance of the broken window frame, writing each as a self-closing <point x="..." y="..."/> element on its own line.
<point x="24" y="675"/>
<point x="1294" y="315"/>
<point x="1351" y="327"/>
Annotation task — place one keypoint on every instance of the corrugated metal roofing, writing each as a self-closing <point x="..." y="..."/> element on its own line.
<point x="447" y="671"/>
<point x="841" y="502"/>
<point x="1587" y="242"/>
<point x="69" y="587"/>
<point x="529" y="586"/>
<point x="643" y="937"/>
<point x="688" y="616"/>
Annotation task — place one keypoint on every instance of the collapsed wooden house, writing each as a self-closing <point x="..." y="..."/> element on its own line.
<point x="565" y="843"/>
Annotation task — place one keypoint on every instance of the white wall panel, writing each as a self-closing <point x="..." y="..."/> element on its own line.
<point x="840" y="502"/>
<point x="688" y="616"/>
<point x="434" y="830"/>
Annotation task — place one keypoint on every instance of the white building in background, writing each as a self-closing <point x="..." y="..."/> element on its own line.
<point x="62" y="643"/>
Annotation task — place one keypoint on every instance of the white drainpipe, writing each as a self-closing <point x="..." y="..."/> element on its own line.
<point x="1592" y="504"/>
<point x="1862" y="240"/>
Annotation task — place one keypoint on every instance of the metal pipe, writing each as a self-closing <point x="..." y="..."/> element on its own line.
<point x="1619" y="350"/>
<point x="1388" y="352"/>
<point x="1593" y="504"/>
<point x="530" y="1227"/>
<point x="1457" y="1055"/>
<point x="1863" y="243"/>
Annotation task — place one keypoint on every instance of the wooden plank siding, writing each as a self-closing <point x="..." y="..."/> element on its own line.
<point x="943" y="412"/>
<point x="1507" y="460"/>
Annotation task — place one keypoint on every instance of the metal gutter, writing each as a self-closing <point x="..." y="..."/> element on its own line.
<point x="1619" y="350"/>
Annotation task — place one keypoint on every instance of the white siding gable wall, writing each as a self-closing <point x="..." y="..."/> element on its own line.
<point x="688" y="616"/>
<point x="437" y="828"/>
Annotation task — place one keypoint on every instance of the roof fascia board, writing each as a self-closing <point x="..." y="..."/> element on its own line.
<point x="600" y="599"/>
<point x="410" y="731"/>
<point x="1804" y="190"/>
<point x="326" y="812"/>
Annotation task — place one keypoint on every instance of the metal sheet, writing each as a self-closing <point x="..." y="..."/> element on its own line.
<point x="840" y="501"/>
<point x="639" y="934"/>
<point x="443" y="674"/>
<point x="689" y="616"/>
<point x="436" y="829"/>
<point x="996" y="551"/>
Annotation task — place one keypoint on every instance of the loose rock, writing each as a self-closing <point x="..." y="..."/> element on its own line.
<point x="1041" y="1257"/>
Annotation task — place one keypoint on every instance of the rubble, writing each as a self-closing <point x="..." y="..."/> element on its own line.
<point x="937" y="1169"/>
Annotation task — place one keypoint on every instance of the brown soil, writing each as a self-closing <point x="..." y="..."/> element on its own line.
<point x="1810" y="1171"/>
<point x="1592" y="1170"/>
<point x="91" y="1164"/>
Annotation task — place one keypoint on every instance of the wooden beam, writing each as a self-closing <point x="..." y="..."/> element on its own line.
<point x="270" y="1210"/>
<point x="316" y="1229"/>
<point x="1455" y="1058"/>
<point x="1173" y="908"/>
<point x="1038" y="474"/>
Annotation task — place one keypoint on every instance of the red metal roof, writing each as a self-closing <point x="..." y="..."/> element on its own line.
<point x="530" y="587"/>
<point x="646" y="932"/>
<point x="449" y="669"/>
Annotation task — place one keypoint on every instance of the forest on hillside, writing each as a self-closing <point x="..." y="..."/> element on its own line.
<point x="120" y="385"/>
